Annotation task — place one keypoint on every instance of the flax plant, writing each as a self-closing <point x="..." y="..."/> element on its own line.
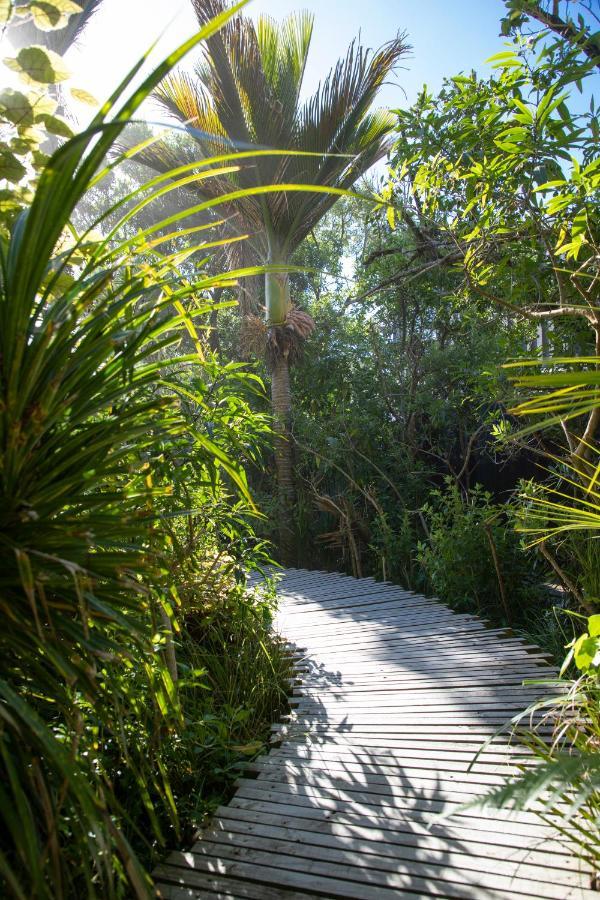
<point x="91" y="386"/>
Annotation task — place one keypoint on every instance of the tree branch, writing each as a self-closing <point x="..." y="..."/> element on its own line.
<point x="567" y="30"/>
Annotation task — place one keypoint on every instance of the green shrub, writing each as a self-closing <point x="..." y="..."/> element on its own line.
<point x="473" y="558"/>
<point x="235" y="680"/>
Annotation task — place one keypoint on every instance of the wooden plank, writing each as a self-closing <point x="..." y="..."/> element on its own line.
<point x="421" y="647"/>
<point x="482" y="685"/>
<point x="399" y="741"/>
<point x="365" y="637"/>
<point x="308" y="686"/>
<point x="390" y="665"/>
<point x="217" y="886"/>
<point x="436" y="740"/>
<point x="386" y="858"/>
<point x="422" y="776"/>
<point x="386" y="707"/>
<point x="438" y="794"/>
<point x="319" y="885"/>
<point x="295" y="598"/>
<point x="550" y="854"/>
<point x="369" y="800"/>
<point x="372" y="604"/>
<point x="484" y="771"/>
<point x="374" y="634"/>
<point x="494" y="833"/>
<point x="455" y="883"/>
<point x="388" y="648"/>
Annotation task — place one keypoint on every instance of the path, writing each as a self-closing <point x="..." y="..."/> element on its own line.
<point x="397" y="694"/>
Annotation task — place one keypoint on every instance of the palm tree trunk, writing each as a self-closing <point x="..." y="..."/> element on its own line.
<point x="281" y="400"/>
<point x="277" y="306"/>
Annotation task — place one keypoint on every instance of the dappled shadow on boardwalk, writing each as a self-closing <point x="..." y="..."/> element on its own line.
<point x="397" y="695"/>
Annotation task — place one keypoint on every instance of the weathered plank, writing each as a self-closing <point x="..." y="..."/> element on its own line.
<point x="394" y="696"/>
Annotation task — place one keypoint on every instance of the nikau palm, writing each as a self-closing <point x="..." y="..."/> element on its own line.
<point x="246" y="93"/>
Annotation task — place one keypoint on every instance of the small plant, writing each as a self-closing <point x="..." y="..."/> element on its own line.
<point x="235" y="681"/>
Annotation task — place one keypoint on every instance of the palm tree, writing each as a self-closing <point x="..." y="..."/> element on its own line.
<point x="246" y="93"/>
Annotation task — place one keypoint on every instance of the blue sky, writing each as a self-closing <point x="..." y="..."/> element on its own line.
<point x="447" y="36"/>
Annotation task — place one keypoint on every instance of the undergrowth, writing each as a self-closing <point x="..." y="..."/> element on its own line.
<point x="235" y="683"/>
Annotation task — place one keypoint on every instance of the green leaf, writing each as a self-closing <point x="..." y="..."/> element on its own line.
<point x="11" y="168"/>
<point x="16" y="107"/>
<point x="518" y="133"/>
<point x="49" y="15"/>
<point x="507" y="64"/>
<point x="547" y="105"/>
<point x="594" y="625"/>
<point x="6" y="10"/>
<point x="525" y="111"/>
<point x="83" y="96"/>
<point x="505" y="54"/>
<point x="9" y="201"/>
<point x="57" y="125"/>
<point x="585" y="651"/>
<point x="43" y="104"/>
<point x="38" y="65"/>
<point x="21" y="146"/>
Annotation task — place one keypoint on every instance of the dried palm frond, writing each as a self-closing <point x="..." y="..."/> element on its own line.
<point x="300" y="322"/>
<point x="287" y="340"/>
<point x="254" y="334"/>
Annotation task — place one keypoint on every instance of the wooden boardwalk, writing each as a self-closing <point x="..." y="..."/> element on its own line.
<point x="397" y="694"/>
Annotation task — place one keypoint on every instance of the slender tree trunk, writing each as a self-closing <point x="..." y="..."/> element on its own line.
<point x="281" y="400"/>
<point x="277" y="307"/>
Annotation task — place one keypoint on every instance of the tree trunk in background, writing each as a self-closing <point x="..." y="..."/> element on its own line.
<point x="277" y="307"/>
<point x="281" y="400"/>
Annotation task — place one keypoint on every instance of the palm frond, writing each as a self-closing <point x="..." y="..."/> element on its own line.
<point x="284" y="52"/>
<point x="247" y="91"/>
<point x="569" y="387"/>
<point x="571" y="502"/>
<point x="562" y="786"/>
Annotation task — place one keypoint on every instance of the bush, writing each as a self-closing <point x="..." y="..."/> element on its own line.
<point x="473" y="558"/>
<point x="563" y="789"/>
<point x="235" y="681"/>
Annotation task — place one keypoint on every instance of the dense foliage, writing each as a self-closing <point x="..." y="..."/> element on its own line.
<point x="446" y="335"/>
<point x="486" y="254"/>
<point x="125" y="531"/>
